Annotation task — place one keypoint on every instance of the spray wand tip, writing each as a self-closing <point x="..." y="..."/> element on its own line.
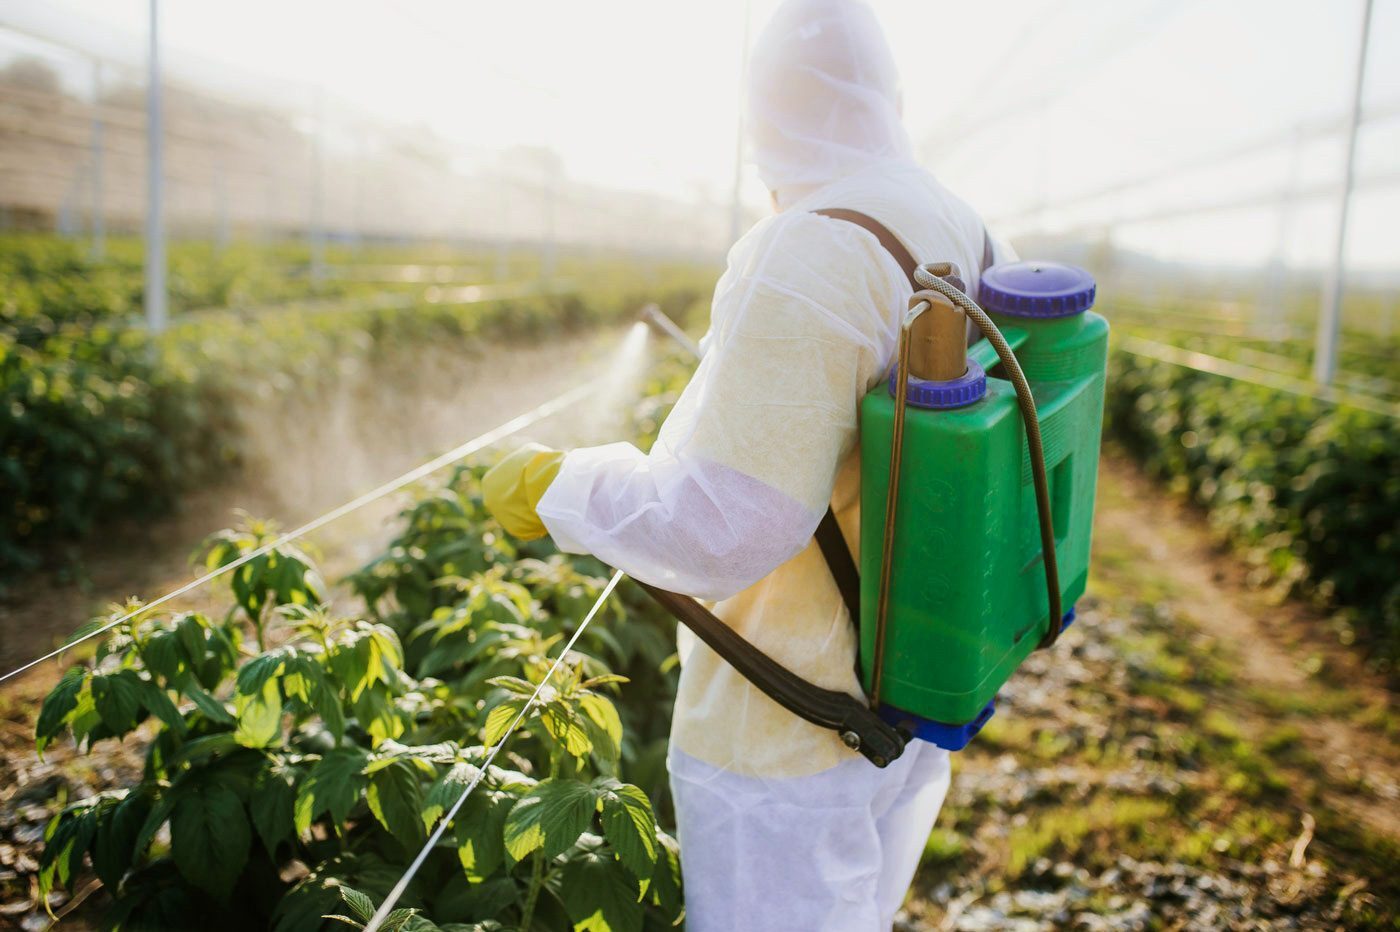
<point x="654" y="317"/>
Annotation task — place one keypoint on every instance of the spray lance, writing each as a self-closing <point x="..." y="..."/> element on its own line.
<point x="656" y="319"/>
<point x="977" y="496"/>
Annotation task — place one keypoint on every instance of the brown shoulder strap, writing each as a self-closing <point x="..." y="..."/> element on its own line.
<point x="858" y="725"/>
<point x="841" y="562"/>
<point x="833" y="545"/>
<point x="892" y="244"/>
<point x="829" y="538"/>
<point x="877" y="229"/>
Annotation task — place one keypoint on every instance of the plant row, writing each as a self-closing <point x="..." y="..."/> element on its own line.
<point x="101" y="421"/>
<point x="1309" y="490"/>
<point x="48" y="282"/>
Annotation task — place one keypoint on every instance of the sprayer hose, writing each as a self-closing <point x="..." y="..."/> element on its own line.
<point x="927" y="276"/>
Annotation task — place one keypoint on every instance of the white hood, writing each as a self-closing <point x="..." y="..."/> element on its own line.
<point x="823" y="95"/>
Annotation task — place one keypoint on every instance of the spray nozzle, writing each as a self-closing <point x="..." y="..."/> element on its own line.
<point x="654" y="317"/>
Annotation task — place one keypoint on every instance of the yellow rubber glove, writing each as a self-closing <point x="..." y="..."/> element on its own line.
<point x="512" y="489"/>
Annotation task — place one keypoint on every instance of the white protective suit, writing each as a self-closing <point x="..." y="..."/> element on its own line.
<point x="781" y="826"/>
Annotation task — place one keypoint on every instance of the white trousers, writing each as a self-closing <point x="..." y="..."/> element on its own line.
<point x="831" y="852"/>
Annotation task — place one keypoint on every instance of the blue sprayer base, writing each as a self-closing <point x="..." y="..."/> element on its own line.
<point x="949" y="737"/>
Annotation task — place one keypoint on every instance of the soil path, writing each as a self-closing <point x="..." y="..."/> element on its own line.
<point x="1289" y="663"/>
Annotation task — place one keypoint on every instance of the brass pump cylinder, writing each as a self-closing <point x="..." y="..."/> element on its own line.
<point x="938" y="341"/>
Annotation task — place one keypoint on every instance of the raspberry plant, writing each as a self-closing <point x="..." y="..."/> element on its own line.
<point x="299" y="755"/>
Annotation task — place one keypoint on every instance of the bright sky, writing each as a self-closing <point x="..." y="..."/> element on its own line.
<point x="1020" y="105"/>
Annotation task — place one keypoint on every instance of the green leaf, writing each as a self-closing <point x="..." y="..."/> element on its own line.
<point x="333" y="786"/>
<point x="259" y="715"/>
<point x="220" y="652"/>
<point x="425" y="755"/>
<point x="84" y="718"/>
<point x="154" y="901"/>
<point x="514" y="685"/>
<point x="551" y="817"/>
<point x="395" y="797"/>
<point x="254" y="674"/>
<point x="479" y="898"/>
<point x="157" y="702"/>
<point x="60" y="701"/>
<point x="398" y="920"/>
<point x="629" y="825"/>
<point x="327" y="702"/>
<point x="157" y="816"/>
<point x="371" y="654"/>
<point x="271" y="805"/>
<point x="500" y="719"/>
<point x="307" y="902"/>
<point x="407" y="920"/>
<point x="65" y="843"/>
<point x="210" y="837"/>
<point x="164" y="655"/>
<point x="566" y="726"/>
<point x="114" y="850"/>
<point x="603" y="714"/>
<point x="213" y="709"/>
<point x="481" y="825"/>
<point x="598" y="893"/>
<point x="390" y="651"/>
<point x="377" y="714"/>
<point x="665" y="885"/>
<point x="603" y="680"/>
<point x="202" y="748"/>
<point x="360" y="904"/>
<point x="301" y="675"/>
<point x="118" y="699"/>
<point x="349" y="662"/>
<point x="446" y="791"/>
<point x="191" y="631"/>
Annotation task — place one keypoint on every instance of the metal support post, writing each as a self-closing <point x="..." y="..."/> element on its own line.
<point x="1330" y="313"/>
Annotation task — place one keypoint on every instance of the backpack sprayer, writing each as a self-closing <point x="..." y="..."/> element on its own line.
<point x="986" y="522"/>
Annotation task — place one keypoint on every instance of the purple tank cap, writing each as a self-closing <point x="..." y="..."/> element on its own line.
<point x="954" y="393"/>
<point x="1036" y="289"/>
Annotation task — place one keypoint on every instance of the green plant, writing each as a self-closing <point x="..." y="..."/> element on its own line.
<point x="287" y="734"/>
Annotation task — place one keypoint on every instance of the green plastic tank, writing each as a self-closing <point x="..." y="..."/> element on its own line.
<point x="967" y="597"/>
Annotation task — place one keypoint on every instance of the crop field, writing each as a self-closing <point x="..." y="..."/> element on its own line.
<point x="1213" y="744"/>
<point x="109" y="421"/>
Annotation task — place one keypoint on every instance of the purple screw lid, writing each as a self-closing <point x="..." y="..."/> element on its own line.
<point x="1036" y="289"/>
<point x="954" y="393"/>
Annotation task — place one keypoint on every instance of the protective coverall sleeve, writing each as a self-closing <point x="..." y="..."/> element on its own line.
<point x="802" y="323"/>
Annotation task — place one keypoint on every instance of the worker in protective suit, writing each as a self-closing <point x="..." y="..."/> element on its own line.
<point x="782" y="827"/>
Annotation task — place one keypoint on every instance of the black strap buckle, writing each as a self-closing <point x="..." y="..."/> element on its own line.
<point x="860" y="728"/>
